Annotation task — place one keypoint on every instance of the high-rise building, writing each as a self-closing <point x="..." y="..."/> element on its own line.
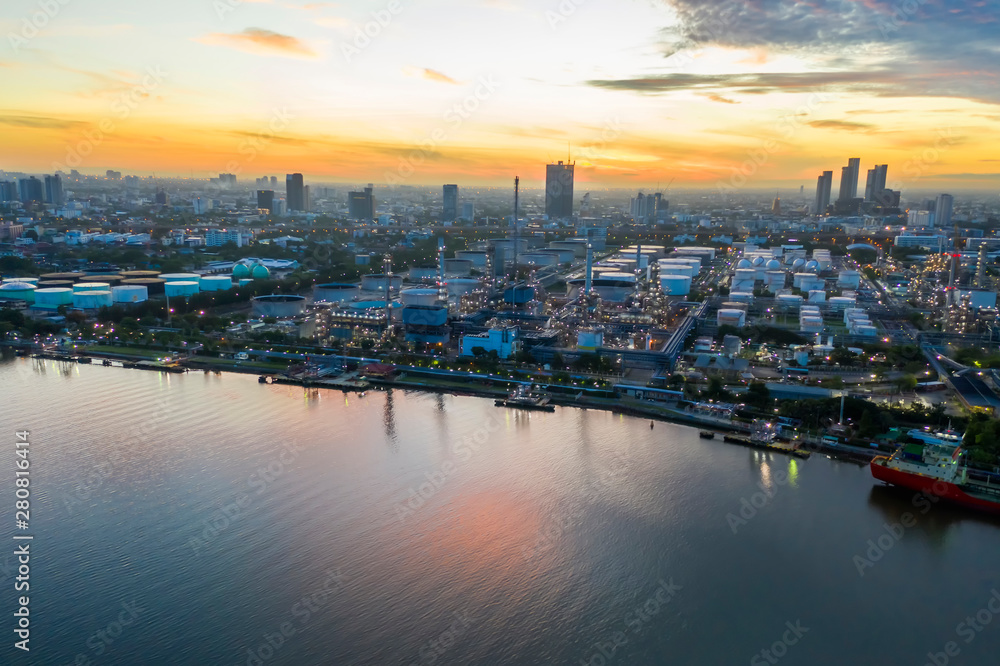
<point x="361" y="205"/>
<point x="201" y="205"/>
<point x="53" y="190"/>
<point x="559" y="190"/>
<point x="845" y="184"/>
<point x="8" y="191"/>
<point x="855" y="165"/>
<point x="265" y="200"/>
<point x="31" y="190"/>
<point x="294" y="192"/>
<point x="162" y="198"/>
<point x="274" y="182"/>
<point x="306" y="199"/>
<point x="942" y="214"/>
<point x="824" y="185"/>
<point x="227" y="179"/>
<point x="875" y="184"/>
<point x="468" y="211"/>
<point x="449" y="211"/>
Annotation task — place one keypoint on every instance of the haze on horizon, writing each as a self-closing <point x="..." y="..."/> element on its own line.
<point x="641" y="91"/>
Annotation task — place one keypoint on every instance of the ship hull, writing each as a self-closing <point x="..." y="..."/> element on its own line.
<point x="931" y="486"/>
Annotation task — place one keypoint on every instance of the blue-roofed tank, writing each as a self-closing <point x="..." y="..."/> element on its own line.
<point x="518" y="295"/>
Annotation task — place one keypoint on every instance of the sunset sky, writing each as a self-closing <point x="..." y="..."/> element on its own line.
<point x="474" y="91"/>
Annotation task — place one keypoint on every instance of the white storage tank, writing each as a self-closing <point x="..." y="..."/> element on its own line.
<point x="817" y="296"/>
<point x="424" y="273"/>
<point x="737" y="318"/>
<point x="92" y="300"/>
<point x="181" y="289"/>
<point x="130" y="293"/>
<point x="29" y="280"/>
<point x="741" y="296"/>
<point x="335" y="292"/>
<point x="216" y="282"/>
<point x="790" y="299"/>
<point x="91" y="286"/>
<point x="678" y="269"/>
<point x="419" y="296"/>
<point x="850" y="279"/>
<point x="477" y="257"/>
<point x="774" y="279"/>
<point x="53" y="297"/>
<point x="676" y="285"/>
<point x="841" y="302"/>
<point x="459" y="266"/>
<point x="811" y="324"/>
<point x="461" y="286"/>
<point x="180" y="277"/>
<point x="279" y="305"/>
<point x="19" y="291"/>
<point x="378" y="282"/>
<point x="527" y="259"/>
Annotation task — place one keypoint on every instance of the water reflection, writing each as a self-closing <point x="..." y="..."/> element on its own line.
<point x="389" y="421"/>
<point x="934" y="518"/>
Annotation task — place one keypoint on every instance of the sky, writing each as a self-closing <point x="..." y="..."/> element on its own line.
<point x="640" y="93"/>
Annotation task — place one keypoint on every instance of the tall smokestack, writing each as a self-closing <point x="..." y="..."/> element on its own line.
<point x="588" y="285"/>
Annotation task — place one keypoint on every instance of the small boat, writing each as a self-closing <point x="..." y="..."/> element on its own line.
<point x="524" y="398"/>
<point x="706" y="434"/>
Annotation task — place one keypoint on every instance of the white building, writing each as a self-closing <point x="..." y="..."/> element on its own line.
<point x="217" y="237"/>
<point x="504" y="341"/>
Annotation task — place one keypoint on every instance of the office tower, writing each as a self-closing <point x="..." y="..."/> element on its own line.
<point x="449" y="210"/>
<point x="30" y="190"/>
<point x="845" y="184"/>
<point x="854" y="164"/>
<point x="8" y="191"/>
<point x="876" y="182"/>
<point x="306" y="199"/>
<point x="361" y="205"/>
<point x="824" y="184"/>
<point x="469" y="211"/>
<point x="162" y="198"/>
<point x="53" y="190"/>
<point x="202" y="205"/>
<point x="559" y="190"/>
<point x="274" y="182"/>
<point x="294" y="193"/>
<point x="776" y="206"/>
<point x="942" y="213"/>
<point x="111" y="174"/>
<point x="265" y="200"/>
<point x="227" y="179"/>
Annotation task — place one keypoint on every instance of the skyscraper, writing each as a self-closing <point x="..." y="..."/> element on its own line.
<point x="450" y="209"/>
<point x="876" y="182"/>
<point x="53" y="190"/>
<point x="559" y="190"/>
<point x="849" y="180"/>
<point x="265" y="200"/>
<point x="361" y="205"/>
<point x="8" y="191"/>
<point x="942" y="214"/>
<point x="30" y="190"/>
<point x="824" y="185"/>
<point x="855" y="164"/>
<point x="294" y="193"/>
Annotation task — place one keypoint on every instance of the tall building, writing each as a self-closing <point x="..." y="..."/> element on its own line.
<point x="942" y="214"/>
<point x="274" y="182"/>
<point x="468" y="211"/>
<point x="265" y="200"/>
<point x="824" y="185"/>
<point x="449" y="210"/>
<point x="30" y="190"/>
<point x="875" y="184"/>
<point x="53" y="190"/>
<point x="227" y="179"/>
<point x="855" y="165"/>
<point x="294" y="192"/>
<point x="306" y="199"/>
<point x="162" y="198"/>
<point x="361" y="205"/>
<point x="559" y="190"/>
<point x="8" y="191"/>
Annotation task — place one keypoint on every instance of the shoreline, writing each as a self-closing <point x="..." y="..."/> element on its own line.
<point x="656" y="413"/>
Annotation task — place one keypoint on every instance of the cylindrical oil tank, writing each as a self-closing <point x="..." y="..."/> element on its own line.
<point x="518" y="295"/>
<point x="216" y="282"/>
<point x="565" y="255"/>
<point x="424" y="273"/>
<point x="91" y="286"/>
<point x="678" y="269"/>
<point x="109" y="279"/>
<point x="675" y="285"/>
<point x="73" y="277"/>
<point x="458" y="266"/>
<point x="477" y="257"/>
<point x="54" y="297"/>
<point x="737" y="318"/>
<point x="279" y="305"/>
<point x="29" y="280"/>
<point x="180" y="277"/>
<point x="50" y="284"/>
<point x="375" y="307"/>
<point x="419" y="297"/>
<point x="425" y="315"/>
<point x="91" y="300"/>
<point x="378" y="282"/>
<point x="181" y="289"/>
<point x="621" y="277"/>
<point x="154" y="286"/>
<point x="461" y="286"/>
<point x="535" y="259"/>
<point x="139" y="275"/>
<point x="129" y="293"/>
<point x="579" y="247"/>
<point x="334" y="292"/>
<point x="19" y="291"/>
<point x="244" y="282"/>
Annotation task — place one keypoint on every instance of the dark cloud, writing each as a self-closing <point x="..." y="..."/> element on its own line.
<point x="40" y="122"/>
<point x="841" y="125"/>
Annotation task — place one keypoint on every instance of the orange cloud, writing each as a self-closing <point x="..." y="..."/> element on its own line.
<point x="260" y="42"/>
<point x="429" y="75"/>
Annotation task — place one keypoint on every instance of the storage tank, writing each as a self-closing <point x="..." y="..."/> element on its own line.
<point x="461" y="286"/>
<point x="334" y="292"/>
<point x="216" y="282"/>
<point x="477" y="257"/>
<point x="374" y="307"/>
<point x="798" y="264"/>
<point x="774" y="279"/>
<point x="242" y="282"/>
<point x="29" y="280"/>
<point x="378" y="281"/>
<point x="424" y="273"/>
<point x="532" y="259"/>
<point x="140" y="275"/>
<point x="817" y="296"/>
<point x="419" y="296"/>
<point x="259" y="272"/>
<point x="790" y="300"/>
<point x="849" y="279"/>
<point x="112" y="280"/>
<point x="91" y="286"/>
<point x="241" y="272"/>
<point x="52" y="298"/>
<point x="181" y="289"/>
<point x="50" y="284"/>
<point x="129" y="293"/>
<point x="563" y="256"/>
<point x="812" y="266"/>
<point x="180" y="277"/>
<point x="676" y="285"/>
<point x="678" y="269"/>
<point x="279" y="305"/>
<point x="459" y="266"/>
<point x="92" y="300"/>
<point x="737" y="318"/>
<point x="72" y="277"/>
<point x="19" y="291"/>
<point x="773" y="265"/>
<point x="154" y="286"/>
<point x="741" y="296"/>
<point x="743" y="263"/>
<point x="579" y="246"/>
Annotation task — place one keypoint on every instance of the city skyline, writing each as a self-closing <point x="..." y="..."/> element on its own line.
<point x="678" y="90"/>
